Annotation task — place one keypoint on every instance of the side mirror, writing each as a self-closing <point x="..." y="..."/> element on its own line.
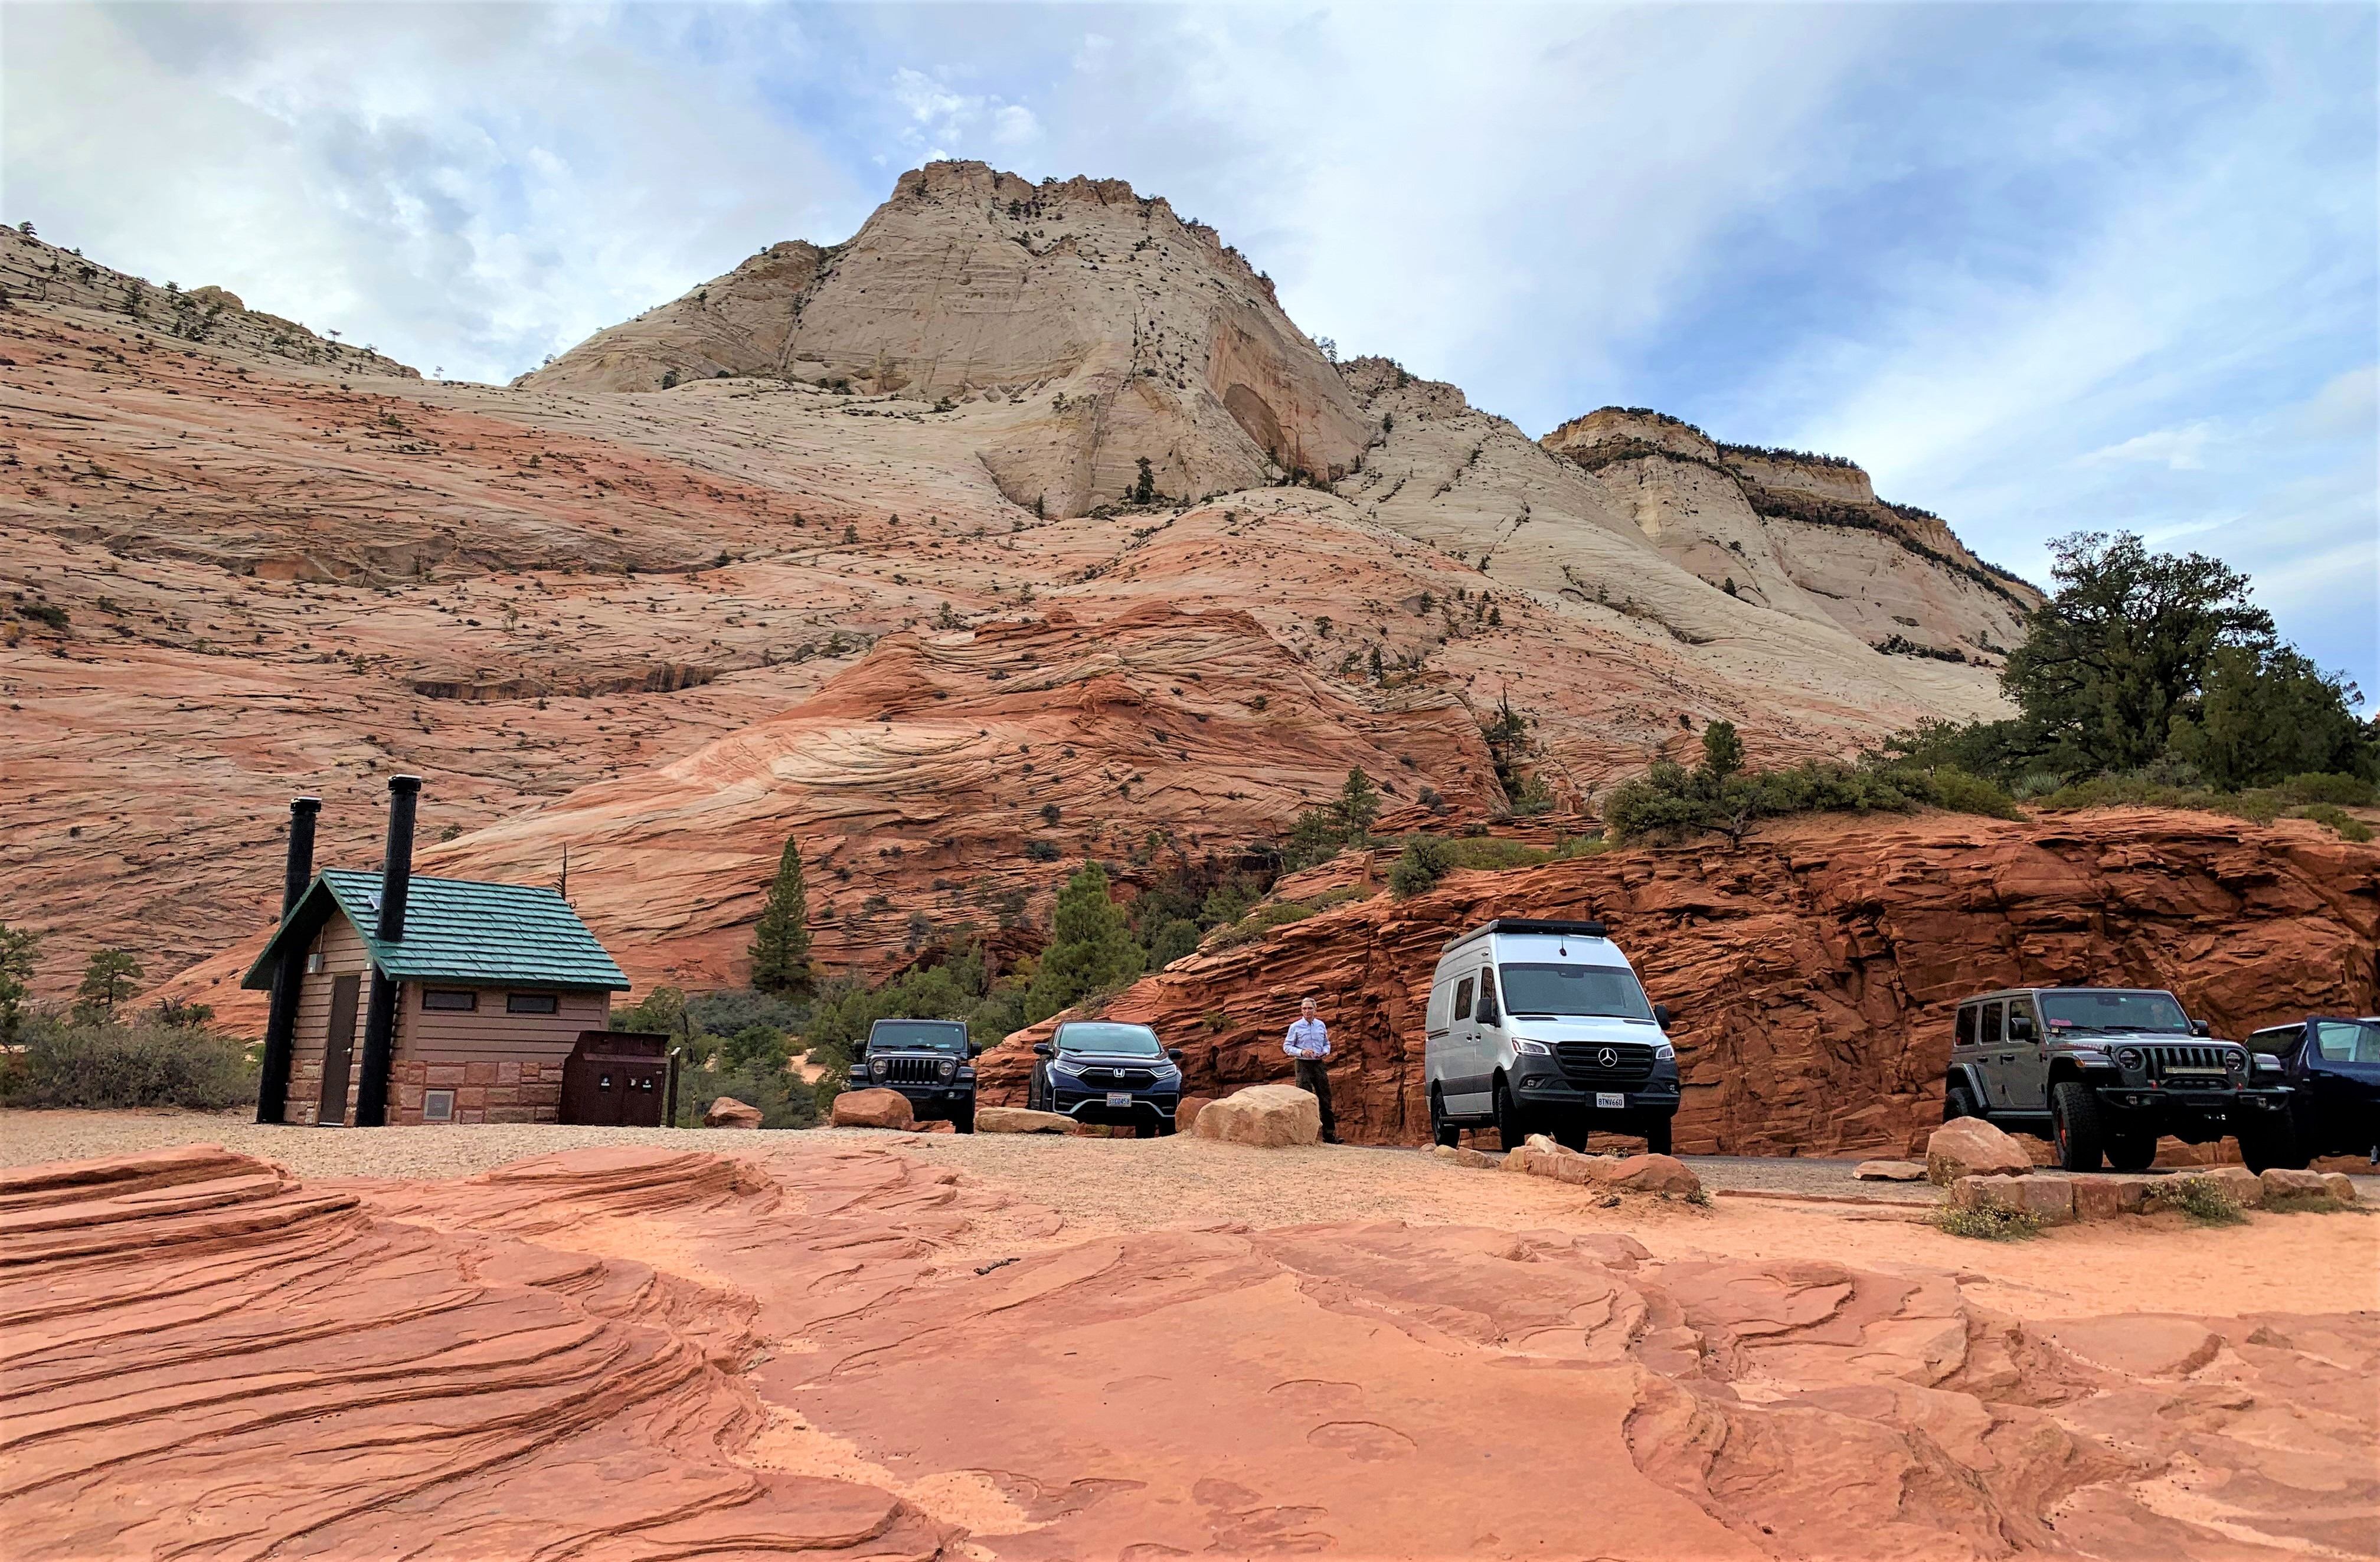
<point x="1174" y="1053"/>
<point x="1661" y="1015"/>
<point x="1043" y="1049"/>
<point x="2200" y="1027"/>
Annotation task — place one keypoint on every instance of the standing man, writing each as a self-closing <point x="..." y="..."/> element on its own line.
<point x="1309" y="1042"/>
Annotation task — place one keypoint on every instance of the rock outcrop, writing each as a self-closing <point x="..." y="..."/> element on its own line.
<point x="1971" y="1147"/>
<point x="1267" y="1116"/>
<point x="728" y="1112"/>
<point x="873" y="1109"/>
<point x="1021" y="1120"/>
<point x="1815" y="968"/>
<point x="1120" y="333"/>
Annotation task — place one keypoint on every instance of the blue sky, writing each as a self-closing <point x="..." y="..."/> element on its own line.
<point x="2039" y="269"/>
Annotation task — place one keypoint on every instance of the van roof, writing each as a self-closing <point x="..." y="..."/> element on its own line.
<point x="1528" y="925"/>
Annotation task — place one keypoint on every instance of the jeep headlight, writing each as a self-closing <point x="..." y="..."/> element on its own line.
<point x="2235" y="1063"/>
<point x="949" y="1066"/>
<point x="1663" y="1051"/>
<point x="879" y="1067"/>
<point x="2127" y="1058"/>
<point x="1532" y="1049"/>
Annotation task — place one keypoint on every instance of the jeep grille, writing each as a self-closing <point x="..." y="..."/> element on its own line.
<point x="1582" y="1061"/>
<point x="2162" y="1059"/>
<point x="913" y="1071"/>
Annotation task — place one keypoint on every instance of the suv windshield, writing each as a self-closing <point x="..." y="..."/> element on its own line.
<point x="1122" y="1041"/>
<point x="2090" y="1011"/>
<point x="1550" y="991"/>
<point x="941" y="1035"/>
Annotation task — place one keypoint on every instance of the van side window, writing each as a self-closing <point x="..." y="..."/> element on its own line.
<point x="1488" y="1014"/>
<point x="1462" y="999"/>
<point x="1991" y="1036"/>
<point x="1967" y="1035"/>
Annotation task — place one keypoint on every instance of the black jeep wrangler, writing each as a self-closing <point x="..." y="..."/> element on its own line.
<point x="2105" y="1070"/>
<point x="931" y="1061"/>
<point x="2331" y="1068"/>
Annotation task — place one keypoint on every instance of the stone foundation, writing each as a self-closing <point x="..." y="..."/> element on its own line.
<point x="484" y="1092"/>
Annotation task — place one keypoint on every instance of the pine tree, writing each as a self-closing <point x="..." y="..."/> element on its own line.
<point x="106" y="982"/>
<point x="1722" y="750"/>
<point x="1090" y="950"/>
<point x="1359" y="805"/>
<point x="781" y="942"/>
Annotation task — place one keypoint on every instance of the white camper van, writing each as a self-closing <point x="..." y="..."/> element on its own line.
<point x="1541" y="1027"/>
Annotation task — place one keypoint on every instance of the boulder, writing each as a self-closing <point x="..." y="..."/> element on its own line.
<point x="728" y="1112"/>
<point x="2281" y="1186"/>
<point x="1645" y="1174"/>
<point x="1971" y="1147"/>
<point x="1185" y="1114"/>
<point x="1890" y="1171"/>
<point x="2242" y="1184"/>
<point x="2341" y="1186"/>
<point x="1017" y="1119"/>
<point x="873" y="1109"/>
<point x="1269" y="1116"/>
<point x="2106" y="1198"/>
<point x="1985" y="1192"/>
<point x="2049" y="1200"/>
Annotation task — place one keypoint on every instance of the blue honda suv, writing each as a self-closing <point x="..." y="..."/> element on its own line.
<point x="1097" y="1071"/>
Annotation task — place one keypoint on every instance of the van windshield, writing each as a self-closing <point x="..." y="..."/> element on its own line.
<point x="2084" y="1009"/>
<point x="945" y="1035"/>
<point x="1554" y="991"/>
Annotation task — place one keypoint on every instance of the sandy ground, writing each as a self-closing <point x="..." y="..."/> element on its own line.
<point x="2293" y="1263"/>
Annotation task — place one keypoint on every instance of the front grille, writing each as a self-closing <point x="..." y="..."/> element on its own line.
<point x="1583" y="1061"/>
<point x="1119" y="1079"/>
<point x="2164" y="1061"/>
<point x="912" y="1070"/>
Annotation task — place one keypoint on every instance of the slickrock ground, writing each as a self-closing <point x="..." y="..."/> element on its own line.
<point x="242" y="561"/>
<point x="1815" y="968"/>
<point x="841" y="1342"/>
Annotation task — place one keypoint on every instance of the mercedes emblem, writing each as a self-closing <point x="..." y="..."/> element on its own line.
<point x="1608" y="1058"/>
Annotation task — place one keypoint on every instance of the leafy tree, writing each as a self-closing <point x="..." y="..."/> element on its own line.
<point x="754" y="1046"/>
<point x="1090" y="947"/>
<point x="659" y="1012"/>
<point x="2124" y="648"/>
<point x="1175" y="939"/>
<point x="1722" y="750"/>
<point x="107" y="981"/>
<point x="781" y="942"/>
<point x="1359" y="805"/>
<point x="2266" y="718"/>
<point x="17" y="946"/>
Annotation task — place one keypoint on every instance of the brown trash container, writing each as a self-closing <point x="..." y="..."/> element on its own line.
<point x="616" y="1079"/>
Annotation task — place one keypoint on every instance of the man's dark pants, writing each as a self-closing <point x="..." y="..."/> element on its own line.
<point x="1313" y="1076"/>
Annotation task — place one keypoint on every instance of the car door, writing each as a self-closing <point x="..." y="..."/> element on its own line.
<point x="2341" y="1078"/>
<point x="1465" y="1093"/>
<point x="1989" y="1055"/>
<point x="2026" y="1050"/>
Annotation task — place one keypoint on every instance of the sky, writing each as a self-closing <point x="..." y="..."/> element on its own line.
<point x="2039" y="269"/>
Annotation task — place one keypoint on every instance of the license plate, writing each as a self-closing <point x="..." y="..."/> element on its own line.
<point x="1119" y="1097"/>
<point x="1609" y="1101"/>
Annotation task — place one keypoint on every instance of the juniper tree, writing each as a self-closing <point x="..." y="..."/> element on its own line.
<point x="106" y="982"/>
<point x="781" y="941"/>
<point x="1091" y="947"/>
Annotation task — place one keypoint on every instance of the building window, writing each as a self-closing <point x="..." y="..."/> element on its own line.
<point x="461" y="999"/>
<point x="438" y="1106"/>
<point x="532" y="1003"/>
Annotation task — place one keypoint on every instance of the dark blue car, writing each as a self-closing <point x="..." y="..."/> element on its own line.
<point x="2331" y="1067"/>
<point x="1097" y="1071"/>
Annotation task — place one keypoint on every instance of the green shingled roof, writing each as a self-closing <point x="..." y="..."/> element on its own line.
<point x="457" y="930"/>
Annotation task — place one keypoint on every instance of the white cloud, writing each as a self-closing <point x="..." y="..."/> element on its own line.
<point x="2179" y="450"/>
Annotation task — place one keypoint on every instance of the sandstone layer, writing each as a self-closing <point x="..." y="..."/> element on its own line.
<point x="658" y="630"/>
<point x="639" y="1353"/>
<point x="1813" y="970"/>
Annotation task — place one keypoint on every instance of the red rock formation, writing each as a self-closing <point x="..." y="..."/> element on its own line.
<point x="1814" y="969"/>
<point x="640" y="1354"/>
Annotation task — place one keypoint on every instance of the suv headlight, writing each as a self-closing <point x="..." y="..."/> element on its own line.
<point x="1533" y="1048"/>
<point x="1061" y="1066"/>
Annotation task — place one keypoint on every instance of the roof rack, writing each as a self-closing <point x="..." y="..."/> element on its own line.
<point x="1594" y="930"/>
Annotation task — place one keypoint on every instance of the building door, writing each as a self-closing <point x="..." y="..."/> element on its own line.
<point x="339" y="1048"/>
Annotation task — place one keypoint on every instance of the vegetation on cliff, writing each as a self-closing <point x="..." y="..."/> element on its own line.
<point x="1720" y="794"/>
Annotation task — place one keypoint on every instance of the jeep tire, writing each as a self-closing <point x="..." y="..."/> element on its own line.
<point x="1440" y="1131"/>
<point x="2074" y="1122"/>
<point x="1656" y="1134"/>
<point x="1959" y="1102"/>
<point x="1510" y="1127"/>
<point x="2131" y="1152"/>
<point x="963" y="1117"/>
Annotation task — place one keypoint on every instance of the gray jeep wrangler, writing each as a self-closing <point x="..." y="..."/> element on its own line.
<point x="2105" y="1070"/>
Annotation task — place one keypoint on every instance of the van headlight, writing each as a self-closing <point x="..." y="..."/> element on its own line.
<point x="1532" y="1049"/>
<point x="1662" y="1051"/>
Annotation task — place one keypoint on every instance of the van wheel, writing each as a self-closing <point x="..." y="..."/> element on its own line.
<point x="1657" y="1136"/>
<point x="1440" y="1131"/>
<point x="1510" y="1127"/>
<point x="1959" y="1102"/>
<point x="1570" y="1136"/>
<point x="2074" y="1119"/>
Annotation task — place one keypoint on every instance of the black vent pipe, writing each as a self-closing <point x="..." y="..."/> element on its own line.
<point x="380" y="1020"/>
<point x="289" y="972"/>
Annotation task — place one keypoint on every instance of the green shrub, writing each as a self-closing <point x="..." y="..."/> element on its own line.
<point x="1989" y="1224"/>
<point x="1175" y="939"/>
<point x="784" y="1099"/>
<point x="1424" y="862"/>
<point x="138" y="1064"/>
<point x="2259" y="805"/>
<point x="2201" y="1198"/>
<point x="2347" y="825"/>
<point x="2352" y="791"/>
<point x="1671" y="801"/>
